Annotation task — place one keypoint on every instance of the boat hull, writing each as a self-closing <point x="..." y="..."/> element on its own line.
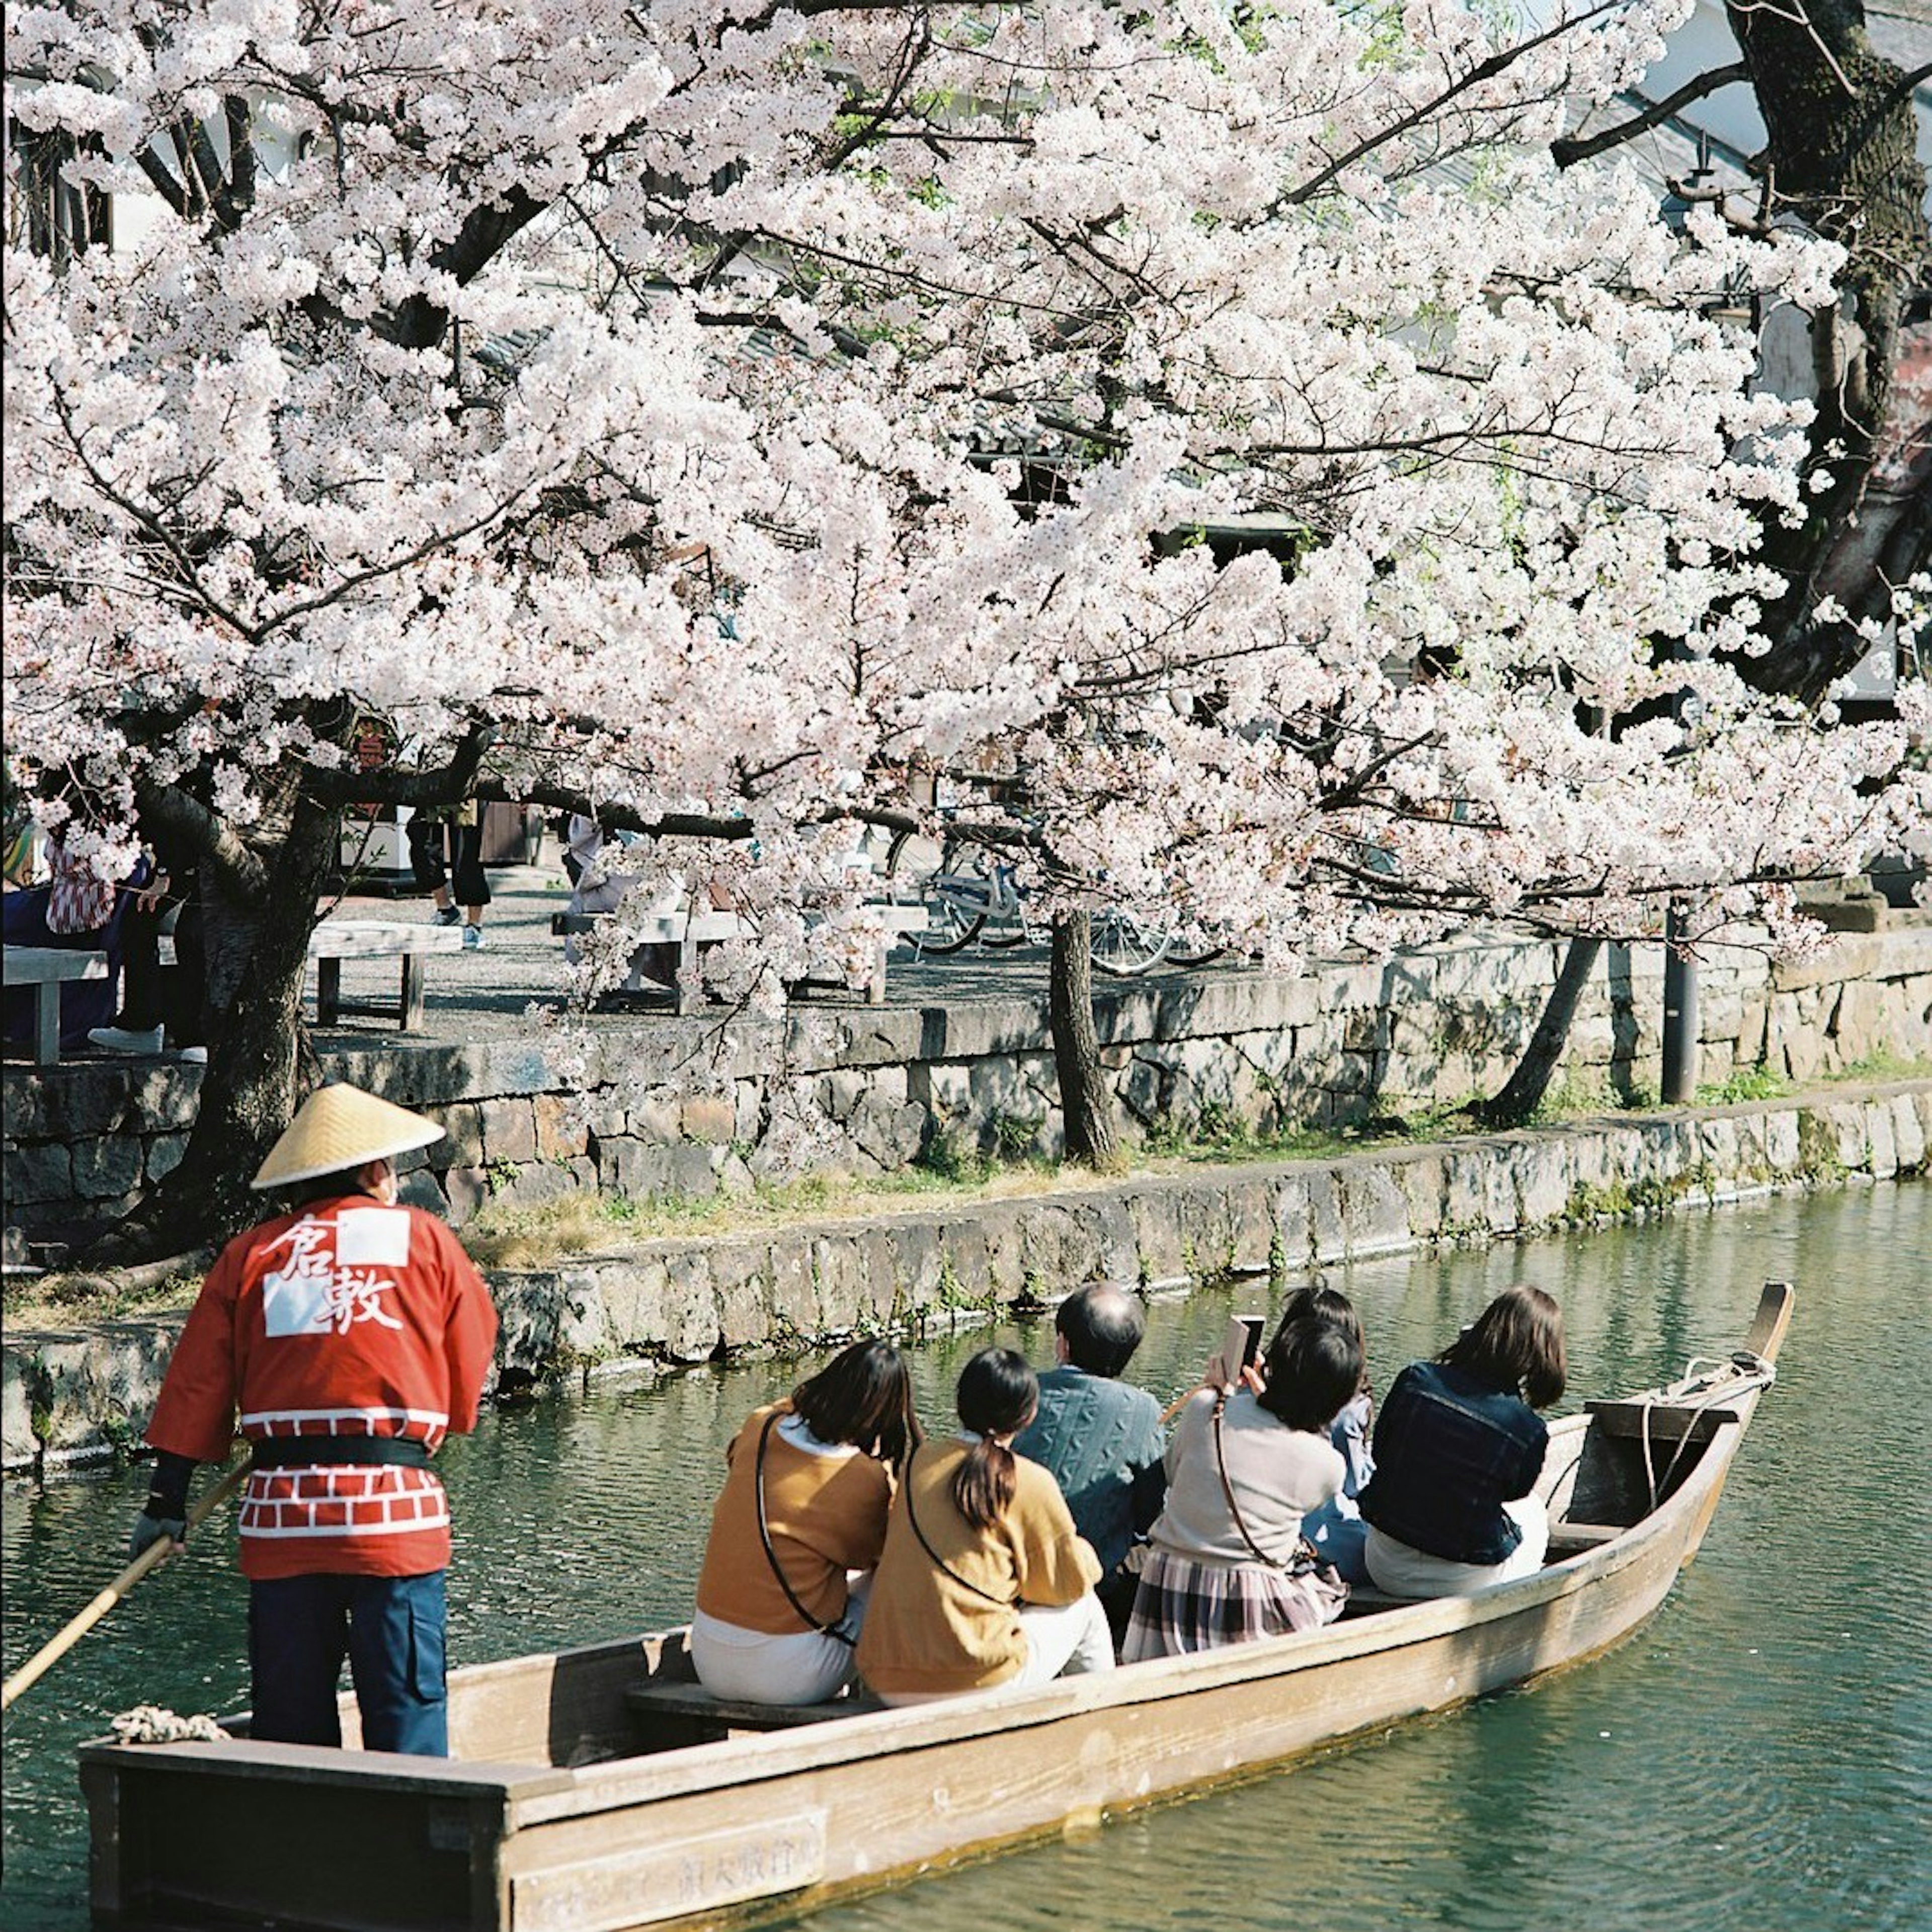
<point x="540" y="1825"/>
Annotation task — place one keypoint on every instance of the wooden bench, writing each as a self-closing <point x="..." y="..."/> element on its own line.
<point x="688" y="931"/>
<point x="689" y="1714"/>
<point x="47" y="969"/>
<point x="336" y="940"/>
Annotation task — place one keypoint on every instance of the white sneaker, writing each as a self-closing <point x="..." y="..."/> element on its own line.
<point x="193" y="1056"/>
<point x="472" y="938"/>
<point x="127" y="1039"/>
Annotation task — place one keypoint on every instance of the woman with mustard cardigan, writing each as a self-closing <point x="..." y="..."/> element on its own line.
<point x="798" y="1529"/>
<point x="984" y="1581"/>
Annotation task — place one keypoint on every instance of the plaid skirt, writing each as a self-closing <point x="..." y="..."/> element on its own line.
<point x="1184" y="1606"/>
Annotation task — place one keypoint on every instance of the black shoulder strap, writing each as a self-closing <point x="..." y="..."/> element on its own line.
<point x="939" y="1561"/>
<point x="771" y="1556"/>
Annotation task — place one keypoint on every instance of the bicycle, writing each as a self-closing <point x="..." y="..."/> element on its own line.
<point x="970" y="892"/>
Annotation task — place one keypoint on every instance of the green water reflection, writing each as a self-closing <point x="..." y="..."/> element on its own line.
<point x="1755" y="1760"/>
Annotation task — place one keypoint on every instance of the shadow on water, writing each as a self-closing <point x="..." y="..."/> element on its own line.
<point x="1752" y="1760"/>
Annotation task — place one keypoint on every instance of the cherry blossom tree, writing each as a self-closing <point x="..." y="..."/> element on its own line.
<point x="722" y="418"/>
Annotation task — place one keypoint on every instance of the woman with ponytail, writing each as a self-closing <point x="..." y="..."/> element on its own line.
<point x="798" y="1528"/>
<point x="984" y="1580"/>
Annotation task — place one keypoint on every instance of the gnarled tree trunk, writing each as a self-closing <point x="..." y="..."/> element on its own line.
<point x="260" y="1061"/>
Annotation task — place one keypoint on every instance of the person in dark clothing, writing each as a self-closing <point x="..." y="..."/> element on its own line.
<point x="1458" y="1446"/>
<point x="446" y="857"/>
<point x="162" y="1006"/>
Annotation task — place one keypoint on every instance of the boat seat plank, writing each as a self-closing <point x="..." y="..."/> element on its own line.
<point x="652" y="1702"/>
<point x="1662" y="1422"/>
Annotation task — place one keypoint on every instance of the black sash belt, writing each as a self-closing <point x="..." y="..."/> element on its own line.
<point x="305" y="1452"/>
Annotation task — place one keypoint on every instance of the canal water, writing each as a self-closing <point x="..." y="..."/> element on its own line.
<point x="1757" y="1759"/>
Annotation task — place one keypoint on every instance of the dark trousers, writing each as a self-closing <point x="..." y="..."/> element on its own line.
<point x="461" y="868"/>
<point x="152" y="995"/>
<point x="391" y="1629"/>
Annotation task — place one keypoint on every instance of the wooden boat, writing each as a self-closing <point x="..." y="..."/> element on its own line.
<point x="598" y="1788"/>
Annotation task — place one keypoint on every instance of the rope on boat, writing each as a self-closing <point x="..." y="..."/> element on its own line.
<point x="1719" y="1382"/>
<point x="152" y="1724"/>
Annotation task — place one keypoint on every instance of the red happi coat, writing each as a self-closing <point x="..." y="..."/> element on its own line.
<point x="345" y="1318"/>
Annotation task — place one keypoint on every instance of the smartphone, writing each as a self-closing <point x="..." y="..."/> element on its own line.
<point x="1241" y="1347"/>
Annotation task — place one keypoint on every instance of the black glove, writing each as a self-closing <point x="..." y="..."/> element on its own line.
<point x="149" y="1529"/>
<point x="165" y="1513"/>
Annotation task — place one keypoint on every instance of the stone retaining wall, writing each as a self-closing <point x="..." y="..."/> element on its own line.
<point x="68" y="1395"/>
<point x="866" y="1090"/>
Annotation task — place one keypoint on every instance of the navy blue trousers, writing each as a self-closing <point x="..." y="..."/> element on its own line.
<point x="390" y="1628"/>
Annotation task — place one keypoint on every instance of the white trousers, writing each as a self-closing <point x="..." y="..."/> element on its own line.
<point x="1062" y="1640"/>
<point x="797" y="1667"/>
<point x="1398" y="1571"/>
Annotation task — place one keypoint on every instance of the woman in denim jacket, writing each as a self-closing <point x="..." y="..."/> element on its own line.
<point x="1459" y="1447"/>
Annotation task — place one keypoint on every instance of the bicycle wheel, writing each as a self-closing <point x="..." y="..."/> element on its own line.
<point x="955" y="905"/>
<point x="1124" y="945"/>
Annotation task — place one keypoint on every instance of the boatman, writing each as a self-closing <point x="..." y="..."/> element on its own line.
<point x="351" y="1335"/>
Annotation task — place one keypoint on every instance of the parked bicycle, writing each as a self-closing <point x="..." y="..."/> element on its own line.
<point x="970" y="892"/>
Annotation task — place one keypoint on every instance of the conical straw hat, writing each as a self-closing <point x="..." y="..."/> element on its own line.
<point x="340" y="1127"/>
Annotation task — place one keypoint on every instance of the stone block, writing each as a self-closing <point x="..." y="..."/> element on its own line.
<point x="1882" y="1157"/>
<point x="419" y="1188"/>
<point x="741" y="1282"/>
<point x="19" y="1441"/>
<point x="164" y="1153"/>
<point x="1908" y="1134"/>
<point x="840" y="1091"/>
<point x="534" y="1182"/>
<point x="658" y="1116"/>
<point x="509" y="1130"/>
<point x="1540" y="1173"/>
<point x="889" y="1133"/>
<point x="1374" y="1209"/>
<point x="1420" y="1177"/>
<point x="793" y="1294"/>
<point x="711" y="1118"/>
<point x="462" y="1142"/>
<point x="105" y="1169"/>
<point x="839" y="1271"/>
<point x="1327" y="1230"/>
<point x="92" y="1390"/>
<point x="43" y="1172"/>
<point x="467" y="1188"/>
<point x="562" y="1132"/>
<point x="692" y="1329"/>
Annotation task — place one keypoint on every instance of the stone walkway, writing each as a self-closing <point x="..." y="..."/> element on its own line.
<point x="474" y="997"/>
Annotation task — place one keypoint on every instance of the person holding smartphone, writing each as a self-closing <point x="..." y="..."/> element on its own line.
<point x="1228" y="1563"/>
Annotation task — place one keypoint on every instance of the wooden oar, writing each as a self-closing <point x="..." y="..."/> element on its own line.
<point x="51" y="1652"/>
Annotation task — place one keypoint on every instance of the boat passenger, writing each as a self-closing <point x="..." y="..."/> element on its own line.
<point x="1336" y="1531"/>
<point x="798" y="1528"/>
<point x="1458" y="1446"/>
<point x="985" y="1581"/>
<point x="1229" y="1561"/>
<point x="1100" y="1438"/>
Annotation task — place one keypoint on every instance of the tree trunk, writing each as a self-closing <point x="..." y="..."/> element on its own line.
<point x="1841" y="156"/>
<point x="1523" y="1093"/>
<point x="1085" y="1104"/>
<point x="260" y="1062"/>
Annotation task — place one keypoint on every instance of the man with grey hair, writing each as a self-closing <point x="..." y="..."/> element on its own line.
<point x="1101" y="1437"/>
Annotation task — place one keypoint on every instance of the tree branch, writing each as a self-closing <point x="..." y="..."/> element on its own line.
<point x="1573" y="148"/>
<point x="441" y="784"/>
